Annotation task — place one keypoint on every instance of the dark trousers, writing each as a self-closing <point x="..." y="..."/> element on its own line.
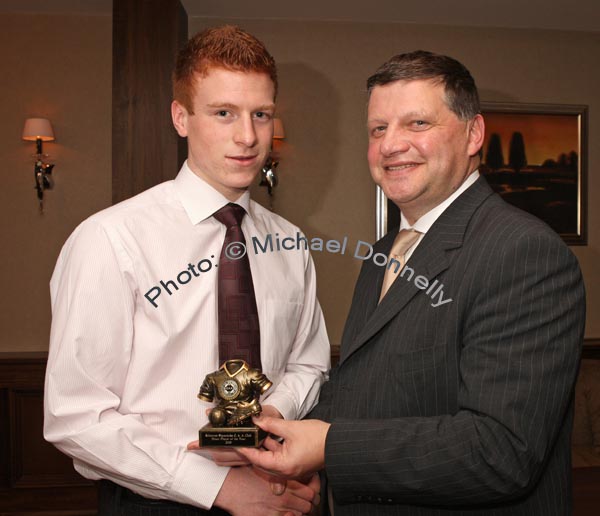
<point x="115" y="500"/>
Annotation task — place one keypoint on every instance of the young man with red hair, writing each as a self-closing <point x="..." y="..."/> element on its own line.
<point x="135" y="308"/>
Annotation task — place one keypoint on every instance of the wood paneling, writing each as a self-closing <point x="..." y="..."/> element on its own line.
<point x="34" y="462"/>
<point x="586" y="491"/>
<point x="35" y="478"/>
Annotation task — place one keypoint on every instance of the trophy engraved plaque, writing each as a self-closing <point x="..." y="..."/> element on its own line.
<point x="236" y="388"/>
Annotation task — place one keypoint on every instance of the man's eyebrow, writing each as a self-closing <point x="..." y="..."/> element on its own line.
<point x="266" y="107"/>
<point x="221" y="105"/>
<point x="416" y="114"/>
<point x="228" y="105"/>
<point x="407" y="115"/>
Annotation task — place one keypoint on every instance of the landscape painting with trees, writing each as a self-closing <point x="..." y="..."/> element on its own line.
<point x="534" y="158"/>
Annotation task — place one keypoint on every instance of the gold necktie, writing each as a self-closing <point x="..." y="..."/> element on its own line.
<point x="404" y="241"/>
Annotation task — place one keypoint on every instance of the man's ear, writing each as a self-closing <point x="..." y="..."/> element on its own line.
<point x="476" y="134"/>
<point x="180" y="117"/>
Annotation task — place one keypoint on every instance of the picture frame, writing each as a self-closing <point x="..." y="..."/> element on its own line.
<point x="535" y="157"/>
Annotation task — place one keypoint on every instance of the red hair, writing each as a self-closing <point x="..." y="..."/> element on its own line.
<point x="226" y="47"/>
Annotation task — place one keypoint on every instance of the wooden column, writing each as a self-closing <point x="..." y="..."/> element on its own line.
<point x="145" y="148"/>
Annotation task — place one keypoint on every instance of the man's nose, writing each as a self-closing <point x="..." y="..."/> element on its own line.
<point x="245" y="132"/>
<point x="394" y="140"/>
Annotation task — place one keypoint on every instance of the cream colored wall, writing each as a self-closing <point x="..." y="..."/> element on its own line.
<point x="325" y="184"/>
<point x="56" y="67"/>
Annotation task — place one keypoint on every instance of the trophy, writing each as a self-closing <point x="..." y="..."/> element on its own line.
<point x="236" y="388"/>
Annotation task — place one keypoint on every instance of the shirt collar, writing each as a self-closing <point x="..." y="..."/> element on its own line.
<point x="199" y="199"/>
<point x="426" y="221"/>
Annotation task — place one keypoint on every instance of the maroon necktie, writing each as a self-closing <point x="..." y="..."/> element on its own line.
<point x="239" y="333"/>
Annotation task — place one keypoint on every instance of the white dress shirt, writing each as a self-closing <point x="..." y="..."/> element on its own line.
<point x="425" y="222"/>
<point x="129" y="353"/>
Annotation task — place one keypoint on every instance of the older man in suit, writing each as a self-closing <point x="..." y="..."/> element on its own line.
<point x="456" y="400"/>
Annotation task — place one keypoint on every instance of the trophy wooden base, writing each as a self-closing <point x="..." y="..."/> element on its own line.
<point x="231" y="437"/>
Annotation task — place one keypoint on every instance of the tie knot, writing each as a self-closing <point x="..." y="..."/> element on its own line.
<point x="404" y="240"/>
<point x="230" y="215"/>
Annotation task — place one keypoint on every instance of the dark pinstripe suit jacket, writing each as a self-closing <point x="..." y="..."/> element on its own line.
<point x="465" y="407"/>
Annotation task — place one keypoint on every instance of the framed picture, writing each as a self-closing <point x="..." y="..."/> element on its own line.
<point x="535" y="157"/>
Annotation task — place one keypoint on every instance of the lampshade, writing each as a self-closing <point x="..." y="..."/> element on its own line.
<point x="278" y="132"/>
<point x="38" y="128"/>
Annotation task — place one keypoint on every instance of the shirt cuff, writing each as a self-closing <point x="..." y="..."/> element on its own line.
<point x="284" y="403"/>
<point x="197" y="481"/>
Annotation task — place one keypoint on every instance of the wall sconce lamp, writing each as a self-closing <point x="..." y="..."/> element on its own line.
<point x="278" y="131"/>
<point x="269" y="171"/>
<point x="39" y="130"/>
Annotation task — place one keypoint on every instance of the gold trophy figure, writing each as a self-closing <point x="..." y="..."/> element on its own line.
<point x="237" y="388"/>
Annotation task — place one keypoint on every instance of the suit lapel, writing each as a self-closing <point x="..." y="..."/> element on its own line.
<point x="430" y="259"/>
